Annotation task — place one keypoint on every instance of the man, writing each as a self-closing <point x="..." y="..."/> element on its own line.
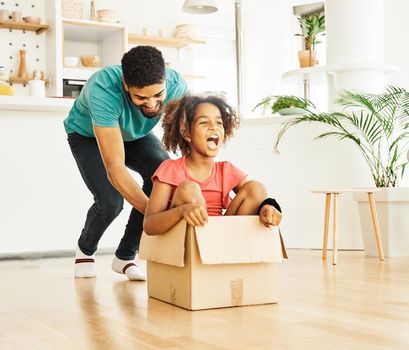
<point x="109" y="129"/>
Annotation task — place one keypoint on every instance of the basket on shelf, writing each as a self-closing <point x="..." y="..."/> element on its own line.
<point x="73" y="9"/>
<point x="91" y="61"/>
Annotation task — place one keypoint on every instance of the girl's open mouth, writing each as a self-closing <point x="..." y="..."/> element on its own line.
<point x="213" y="141"/>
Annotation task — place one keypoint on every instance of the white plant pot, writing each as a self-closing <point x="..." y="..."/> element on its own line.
<point x="392" y="205"/>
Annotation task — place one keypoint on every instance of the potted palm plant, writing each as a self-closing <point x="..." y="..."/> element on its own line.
<point x="283" y="104"/>
<point x="312" y="28"/>
<point x="379" y="126"/>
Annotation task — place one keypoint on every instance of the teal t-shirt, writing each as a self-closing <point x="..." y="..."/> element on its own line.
<point x="103" y="101"/>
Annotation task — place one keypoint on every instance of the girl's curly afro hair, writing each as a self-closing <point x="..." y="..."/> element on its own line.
<point x="179" y="115"/>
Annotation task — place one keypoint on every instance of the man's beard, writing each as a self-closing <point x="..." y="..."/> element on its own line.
<point x="151" y="115"/>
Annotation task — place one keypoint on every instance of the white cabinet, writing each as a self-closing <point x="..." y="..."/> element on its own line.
<point x="73" y="37"/>
<point x="107" y="40"/>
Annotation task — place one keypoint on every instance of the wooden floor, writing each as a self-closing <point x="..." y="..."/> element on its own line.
<point x="359" y="304"/>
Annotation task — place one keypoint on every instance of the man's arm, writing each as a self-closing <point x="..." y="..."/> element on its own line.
<point x="111" y="147"/>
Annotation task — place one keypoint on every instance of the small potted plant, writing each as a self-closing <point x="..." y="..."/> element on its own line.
<point x="378" y="124"/>
<point x="312" y="28"/>
<point x="283" y="105"/>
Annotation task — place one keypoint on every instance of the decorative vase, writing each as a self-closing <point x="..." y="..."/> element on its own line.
<point x="22" y="71"/>
<point x="93" y="16"/>
<point x="291" y="111"/>
<point x="307" y="58"/>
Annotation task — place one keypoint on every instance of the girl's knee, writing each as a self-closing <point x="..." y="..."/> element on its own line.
<point x="247" y="199"/>
<point x="253" y="188"/>
<point x="188" y="187"/>
<point x="188" y="192"/>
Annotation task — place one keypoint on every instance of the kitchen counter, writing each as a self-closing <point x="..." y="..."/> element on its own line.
<point x="43" y="198"/>
<point x="37" y="104"/>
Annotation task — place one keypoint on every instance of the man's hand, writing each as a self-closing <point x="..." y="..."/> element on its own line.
<point x="194" y="214"/>
<point x="270" y="216"/>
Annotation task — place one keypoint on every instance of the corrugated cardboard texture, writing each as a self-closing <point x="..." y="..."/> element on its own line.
<point x="173" y="284"/>
<point x="233" y="285"/>
<point x="168" y="248"/>
<point x="244" y="240"/>
<point x="226" y="285"/>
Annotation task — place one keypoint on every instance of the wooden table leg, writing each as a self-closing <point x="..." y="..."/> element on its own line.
<point x="326" y="224"/>
<point x="334" y="228"/>
<point x="375" y="223"/>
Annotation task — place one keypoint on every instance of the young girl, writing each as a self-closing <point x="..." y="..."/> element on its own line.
<point x="195" y="186"/>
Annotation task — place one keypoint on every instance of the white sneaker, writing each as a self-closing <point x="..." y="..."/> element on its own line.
<point x="128" y="268"/>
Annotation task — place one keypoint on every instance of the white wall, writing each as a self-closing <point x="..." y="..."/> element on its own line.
<point x="266" y="49"/>
<point x="270" y="48"/>
<point x="396" y="49"/>
<point x="303" y="165"/>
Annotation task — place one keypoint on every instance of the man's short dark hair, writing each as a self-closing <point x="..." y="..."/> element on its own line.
<point x="143" y="66"/>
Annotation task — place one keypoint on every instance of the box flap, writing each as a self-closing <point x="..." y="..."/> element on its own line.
<point x="238" y="239"/>
<point x="283" y="248"/>
<point x="168" y="248"/>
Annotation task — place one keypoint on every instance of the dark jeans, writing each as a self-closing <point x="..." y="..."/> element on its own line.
<point x="143" y="156"/>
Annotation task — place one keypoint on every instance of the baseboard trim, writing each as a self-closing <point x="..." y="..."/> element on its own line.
<point x="49" y="254"/>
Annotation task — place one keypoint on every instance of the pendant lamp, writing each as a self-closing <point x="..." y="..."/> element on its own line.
<point x="200" y="6"/>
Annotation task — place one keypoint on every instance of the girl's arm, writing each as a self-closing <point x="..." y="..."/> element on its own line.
<point x="240" y="185"/>
<point x="159" y="219"/>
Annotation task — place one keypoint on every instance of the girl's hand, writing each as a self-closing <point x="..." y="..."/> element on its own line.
<point x="194" y="214"/>
<point x="270" y="216"/>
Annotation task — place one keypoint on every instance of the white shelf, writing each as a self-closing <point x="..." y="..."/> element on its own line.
<point x="162" y="41"/>
<point x="38" y="28"/>
<point x="79" y="30"/>
<point x="318" y="75"/>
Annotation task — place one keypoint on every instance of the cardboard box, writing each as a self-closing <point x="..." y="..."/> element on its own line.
<point x="231" y="261"/>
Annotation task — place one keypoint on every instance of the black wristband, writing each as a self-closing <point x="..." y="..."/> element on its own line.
<point x="269" y="201"/>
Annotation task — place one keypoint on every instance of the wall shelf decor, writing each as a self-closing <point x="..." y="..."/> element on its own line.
<point x="162" y="41"/>
<point x="38" y="28"/>
<point x="24" y="81"/>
